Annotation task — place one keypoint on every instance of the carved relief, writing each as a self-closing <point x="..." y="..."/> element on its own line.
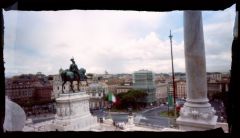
<point x="67" y="111"/>
<point x="61" y="112"/>
<point x="195" y="113"/>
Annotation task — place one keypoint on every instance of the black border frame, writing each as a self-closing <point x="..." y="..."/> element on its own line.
<point x="136" y="5"/>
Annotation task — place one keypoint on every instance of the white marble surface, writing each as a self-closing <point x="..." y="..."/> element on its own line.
<point x="171" y="129"/>
<point x="195" y="56"/>
<point x="73" y="113"/>
<point x="197" y="113"/>
<point x="189" y="124"/>
<point x="130" y="120"/>
<point x="15" y="117"/>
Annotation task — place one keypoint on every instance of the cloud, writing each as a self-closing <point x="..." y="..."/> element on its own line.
<point x="218" y="41"/>
<point x="116" y="41"/>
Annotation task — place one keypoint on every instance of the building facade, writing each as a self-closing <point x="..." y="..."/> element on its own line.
<point x="123" y="89"/>
<point x="217" y="76"/>
<point x="215" y="87"/>
<point x="57" y="86"/>
<point x="112" y="88"/>
<point x="145" y="80"/>
<point x="161" y="93"/>
<point x="181" y="89"/>
<point x="97" y="91"/>
<point x="32" y="92"/>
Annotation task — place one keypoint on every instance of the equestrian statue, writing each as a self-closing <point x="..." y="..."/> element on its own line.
<point x="73" y="74"/>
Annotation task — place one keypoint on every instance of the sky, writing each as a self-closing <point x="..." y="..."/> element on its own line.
<point x="112" y="41"/>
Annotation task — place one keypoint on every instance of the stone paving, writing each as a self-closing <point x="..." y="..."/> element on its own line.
<point x="107" y="125"/>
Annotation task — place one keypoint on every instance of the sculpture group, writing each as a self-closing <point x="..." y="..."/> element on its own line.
<point x="73" y="74"/>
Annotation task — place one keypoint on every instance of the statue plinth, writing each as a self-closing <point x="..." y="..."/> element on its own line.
<point x="130" y="121"/>
<point x="73" y="113"/>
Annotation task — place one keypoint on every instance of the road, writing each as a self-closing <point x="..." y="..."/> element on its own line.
<point x="152" y="117"/>
<point x="220" y="110"/>
<point x="147" y="117"/>
<point x="117" y="117"/>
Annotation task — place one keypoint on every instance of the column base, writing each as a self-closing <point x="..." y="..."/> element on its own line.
<point x="197" y="117"/>
<point x="196" y="125"/>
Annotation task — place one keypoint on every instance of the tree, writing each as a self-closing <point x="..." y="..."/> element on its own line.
<point x="105" y="98"/>
<point x="133" y="98"/>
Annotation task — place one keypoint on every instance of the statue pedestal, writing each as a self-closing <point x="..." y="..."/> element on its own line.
<point x="130" y="121"/>
<point x="73" y="113"/>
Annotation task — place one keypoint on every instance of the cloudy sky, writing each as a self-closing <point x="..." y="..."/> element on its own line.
<point x="116" y="41"/>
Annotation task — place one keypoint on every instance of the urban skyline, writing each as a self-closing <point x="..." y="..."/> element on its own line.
<point x="36" y="94"/>
<point x="116" y="41"/>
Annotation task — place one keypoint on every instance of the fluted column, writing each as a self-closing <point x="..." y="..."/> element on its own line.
<point x="197" y="113"/>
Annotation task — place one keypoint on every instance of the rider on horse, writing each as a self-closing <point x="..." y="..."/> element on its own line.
<point x="74" y="68"/>
<point x="73" y="74"/>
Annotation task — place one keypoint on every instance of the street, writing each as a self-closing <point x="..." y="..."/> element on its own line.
<point x="220" y="110"/>
<point x="150" y="117"/>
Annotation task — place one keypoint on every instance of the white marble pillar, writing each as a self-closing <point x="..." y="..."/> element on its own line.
<point x="130" y="120"/>
<point x="197" y="113"/>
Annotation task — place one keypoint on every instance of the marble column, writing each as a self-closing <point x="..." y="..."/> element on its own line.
<point x="197" y="113"/>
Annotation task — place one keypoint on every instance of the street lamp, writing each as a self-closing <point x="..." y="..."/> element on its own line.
<point x="173" y="77"/>
<point x="129" y="111"/>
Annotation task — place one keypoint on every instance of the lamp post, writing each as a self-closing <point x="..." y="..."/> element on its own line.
<point x="173" y="77"/>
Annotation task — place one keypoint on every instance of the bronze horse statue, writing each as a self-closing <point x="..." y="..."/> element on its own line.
<point x="67" y="75"/>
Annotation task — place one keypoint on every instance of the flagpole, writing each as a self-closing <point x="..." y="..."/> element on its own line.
<point x="168" y="104"/>
<point x="110" y="110"/>
<point x="110" y="101"/>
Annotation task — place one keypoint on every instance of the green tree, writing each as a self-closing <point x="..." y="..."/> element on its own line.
<point x="105" y="98"/>
<point x="133" y="98"/>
